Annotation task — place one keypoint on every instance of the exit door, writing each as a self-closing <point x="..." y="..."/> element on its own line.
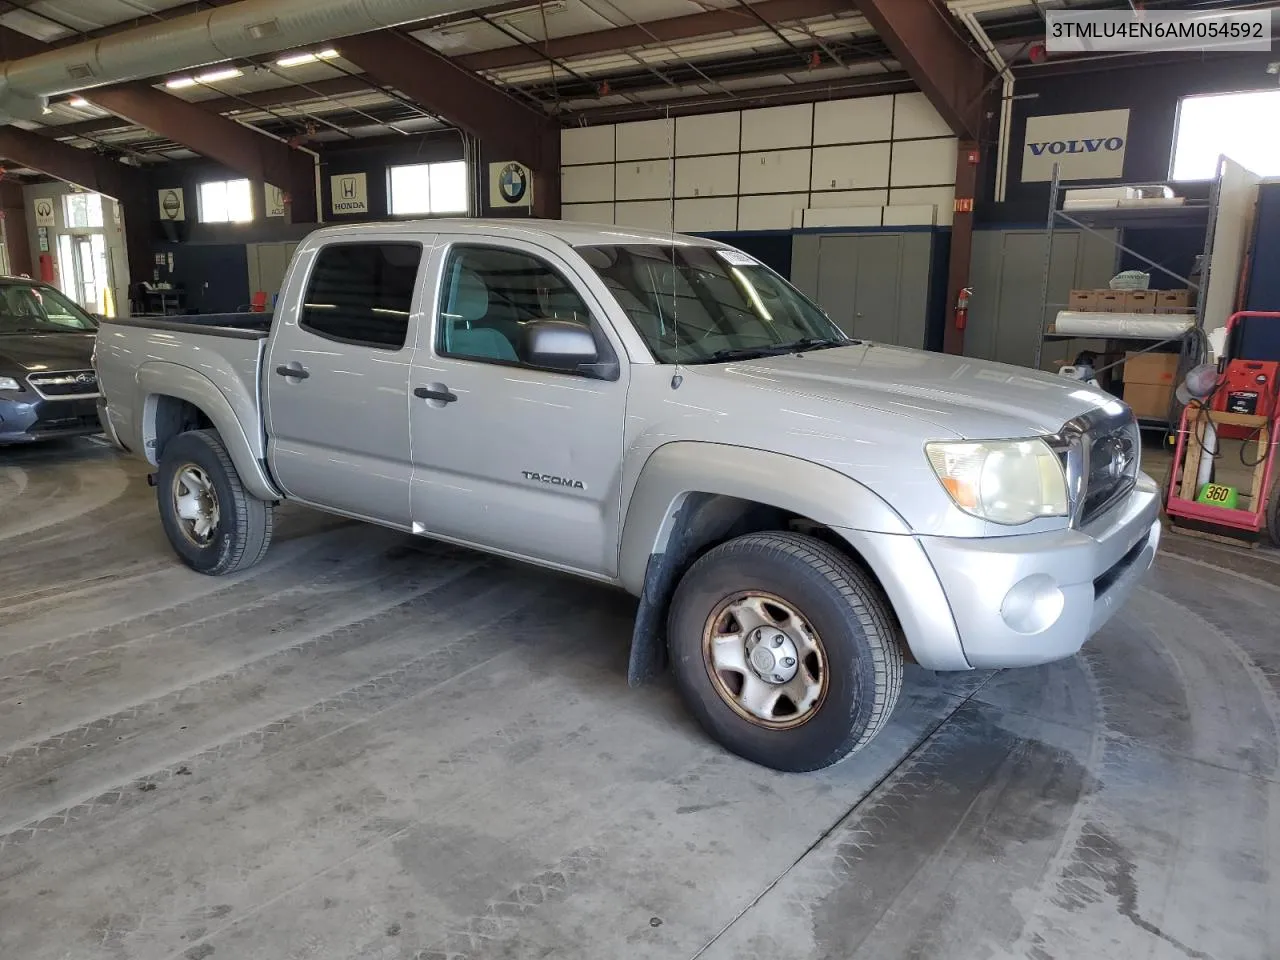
<point x="84" y="274"/>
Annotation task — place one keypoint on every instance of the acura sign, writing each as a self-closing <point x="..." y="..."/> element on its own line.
<point x="1086" y="146"/>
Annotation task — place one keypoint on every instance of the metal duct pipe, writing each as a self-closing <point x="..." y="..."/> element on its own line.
<point x="246" y="29"/>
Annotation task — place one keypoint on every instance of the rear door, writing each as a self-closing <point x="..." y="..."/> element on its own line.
<point x="337" y="375"/>
<point x="523" y="460"/>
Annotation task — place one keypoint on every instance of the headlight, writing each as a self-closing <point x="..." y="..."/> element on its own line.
<point x="8" y="383"/>
<point x="1004" y="481"/>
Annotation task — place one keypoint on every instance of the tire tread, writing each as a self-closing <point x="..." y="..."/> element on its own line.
<point x="866" y="603"/>
<point x="254" y="518"/>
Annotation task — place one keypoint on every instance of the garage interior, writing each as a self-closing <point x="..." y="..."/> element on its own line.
<point x="377" y="746"/>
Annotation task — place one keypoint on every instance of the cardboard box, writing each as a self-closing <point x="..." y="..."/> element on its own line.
<point x="1156" y="369"/>
<point x="1083" y="300"/>
<point x="1110" y="301"/>
<point x="1173" y="301"/>
<point x="1139" y="301"/>
<point x="1148" y="399"/>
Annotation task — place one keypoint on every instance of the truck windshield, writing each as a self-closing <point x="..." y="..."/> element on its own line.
<point x="34" y="308"/>
<point x="694" y="304"/>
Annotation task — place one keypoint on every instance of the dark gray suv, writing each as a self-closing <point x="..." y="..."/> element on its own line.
<point x="47" y="385"/>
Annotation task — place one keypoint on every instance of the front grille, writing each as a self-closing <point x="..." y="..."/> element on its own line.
<point x="66" y="383"/>
<point x="1112" y="451"/>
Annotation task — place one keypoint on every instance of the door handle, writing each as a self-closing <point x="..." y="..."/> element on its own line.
<point x="295" y="370"/>
<point x="443" y="395"/>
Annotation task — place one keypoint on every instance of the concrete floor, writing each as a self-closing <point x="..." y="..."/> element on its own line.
<point x="372" y="747"/>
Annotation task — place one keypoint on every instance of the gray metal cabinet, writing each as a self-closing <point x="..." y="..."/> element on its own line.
<point x="873" y="285"/>
<point x="1006" y="275"/>
<point x="267" y="265"/>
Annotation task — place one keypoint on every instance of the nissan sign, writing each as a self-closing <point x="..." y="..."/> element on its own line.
<point x="1085" y="146"/>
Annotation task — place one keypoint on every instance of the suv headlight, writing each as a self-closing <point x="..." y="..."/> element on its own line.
<point x="8" y="383"/>
<point x="1004" y="481"/>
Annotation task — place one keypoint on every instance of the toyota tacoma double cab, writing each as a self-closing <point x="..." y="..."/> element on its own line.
<point x="798" y="511"/>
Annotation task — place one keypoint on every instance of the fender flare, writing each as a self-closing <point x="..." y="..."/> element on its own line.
<point x="685" y="498"/>
<point x="162" y="379"/>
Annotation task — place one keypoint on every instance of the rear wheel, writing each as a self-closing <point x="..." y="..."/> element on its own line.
<point x="784" y="650"/>
<point x="213" y="524"/>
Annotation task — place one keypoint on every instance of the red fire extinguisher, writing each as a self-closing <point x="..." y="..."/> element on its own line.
<point x="962" y="307"/>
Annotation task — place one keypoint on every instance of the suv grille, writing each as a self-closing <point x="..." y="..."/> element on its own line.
<point x="68" y="383"/>
<point x="1112" y="454"/>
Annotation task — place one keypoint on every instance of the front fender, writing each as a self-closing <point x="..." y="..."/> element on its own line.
<point x="676" y="470"/>
<point x="690" y="494"/>
<point x="158" y="378"/>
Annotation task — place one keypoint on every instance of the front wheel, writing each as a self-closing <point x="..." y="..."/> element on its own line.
<point x="213" y="524"/>
<point x="785" y="650"/>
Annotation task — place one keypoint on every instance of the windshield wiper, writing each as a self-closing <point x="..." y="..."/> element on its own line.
<point x="775" y="349"/>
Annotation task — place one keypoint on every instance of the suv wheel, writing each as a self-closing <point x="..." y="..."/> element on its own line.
<point x="784" y="650"/>
<point x="211" y="522"/>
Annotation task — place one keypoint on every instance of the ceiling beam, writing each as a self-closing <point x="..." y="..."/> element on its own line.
<point x="656" y="31"/>
<point x="249" y="153"/>
<point x="14" y="45"/>
<point x="928" y="43"/>
<point x="261" y="100"/>
<point x="443" y="88"/>
<point x="750" y="98"/>
<point x="85" y="168"/>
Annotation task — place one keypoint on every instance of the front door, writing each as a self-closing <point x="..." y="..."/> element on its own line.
<point x="506" y="455"/>
<point x="337" y="377"/>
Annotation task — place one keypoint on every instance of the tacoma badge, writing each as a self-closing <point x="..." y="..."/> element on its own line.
<point x="554" y="481"/>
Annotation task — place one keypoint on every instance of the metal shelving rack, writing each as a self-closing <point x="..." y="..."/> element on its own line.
<point x="1190" y="214"/>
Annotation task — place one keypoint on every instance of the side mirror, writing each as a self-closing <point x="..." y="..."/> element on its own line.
<point x="563" y="345"/>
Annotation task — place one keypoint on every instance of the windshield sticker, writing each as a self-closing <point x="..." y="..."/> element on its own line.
<point x="736" y="258"/>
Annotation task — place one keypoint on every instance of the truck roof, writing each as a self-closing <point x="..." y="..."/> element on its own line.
<point x="571" y="232"/>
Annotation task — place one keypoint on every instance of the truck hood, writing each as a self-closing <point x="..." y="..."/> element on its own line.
<point x="24" y="353"/>
<point x="969" y="398"/>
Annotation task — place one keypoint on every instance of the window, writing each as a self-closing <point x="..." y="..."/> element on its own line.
<point x="82" y="210"/>
<point x="695" y="304"/>
<point x="435" y="188"/>
<point x="1234" y="124"/>
<point x="489" y="293"/>
<point x="361" y="293"/>
<point x="35" y="308"/>
<point x="225" y="201"/>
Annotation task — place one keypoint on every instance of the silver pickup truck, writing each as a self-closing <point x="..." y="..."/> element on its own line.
<point x="797" y="511"/>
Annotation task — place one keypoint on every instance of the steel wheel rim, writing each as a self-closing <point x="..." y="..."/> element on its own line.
<point x="748" y="663"/>
<point x="195" y="502"/>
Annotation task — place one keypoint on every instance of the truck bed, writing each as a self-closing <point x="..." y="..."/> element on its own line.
<point x="244" y="326"/>
<point x="212" y="360"/>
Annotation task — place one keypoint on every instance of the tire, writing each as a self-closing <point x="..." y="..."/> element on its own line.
<point x="838" y="605"/>
<point x="241" y="533"/>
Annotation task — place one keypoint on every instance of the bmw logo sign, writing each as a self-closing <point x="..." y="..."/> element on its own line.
<point x="513" y="182"/>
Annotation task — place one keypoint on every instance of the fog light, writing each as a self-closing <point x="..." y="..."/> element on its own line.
<point x="1033" y="605"/>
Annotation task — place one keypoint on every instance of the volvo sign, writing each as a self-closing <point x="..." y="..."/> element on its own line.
<point x="1086" y="146"/>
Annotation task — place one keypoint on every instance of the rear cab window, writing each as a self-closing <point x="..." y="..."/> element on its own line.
<point x="362" y="293"/>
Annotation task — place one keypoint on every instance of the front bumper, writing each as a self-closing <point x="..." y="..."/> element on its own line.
<point x="1023" y="600"/>
<point x="32" y="418"/>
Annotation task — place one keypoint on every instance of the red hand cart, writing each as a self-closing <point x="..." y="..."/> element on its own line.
<point x="1263" y="514"/>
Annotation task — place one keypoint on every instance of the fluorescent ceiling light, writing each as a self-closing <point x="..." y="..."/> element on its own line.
<point x="297" y="59"/>
<point x="228" y="74"/>
<point x="177" y="83"/>
<point x="77" y="102"/>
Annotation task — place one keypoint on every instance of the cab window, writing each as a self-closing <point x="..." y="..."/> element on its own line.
<point x="361" y="293"/>
<point x="489" y="294"/>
